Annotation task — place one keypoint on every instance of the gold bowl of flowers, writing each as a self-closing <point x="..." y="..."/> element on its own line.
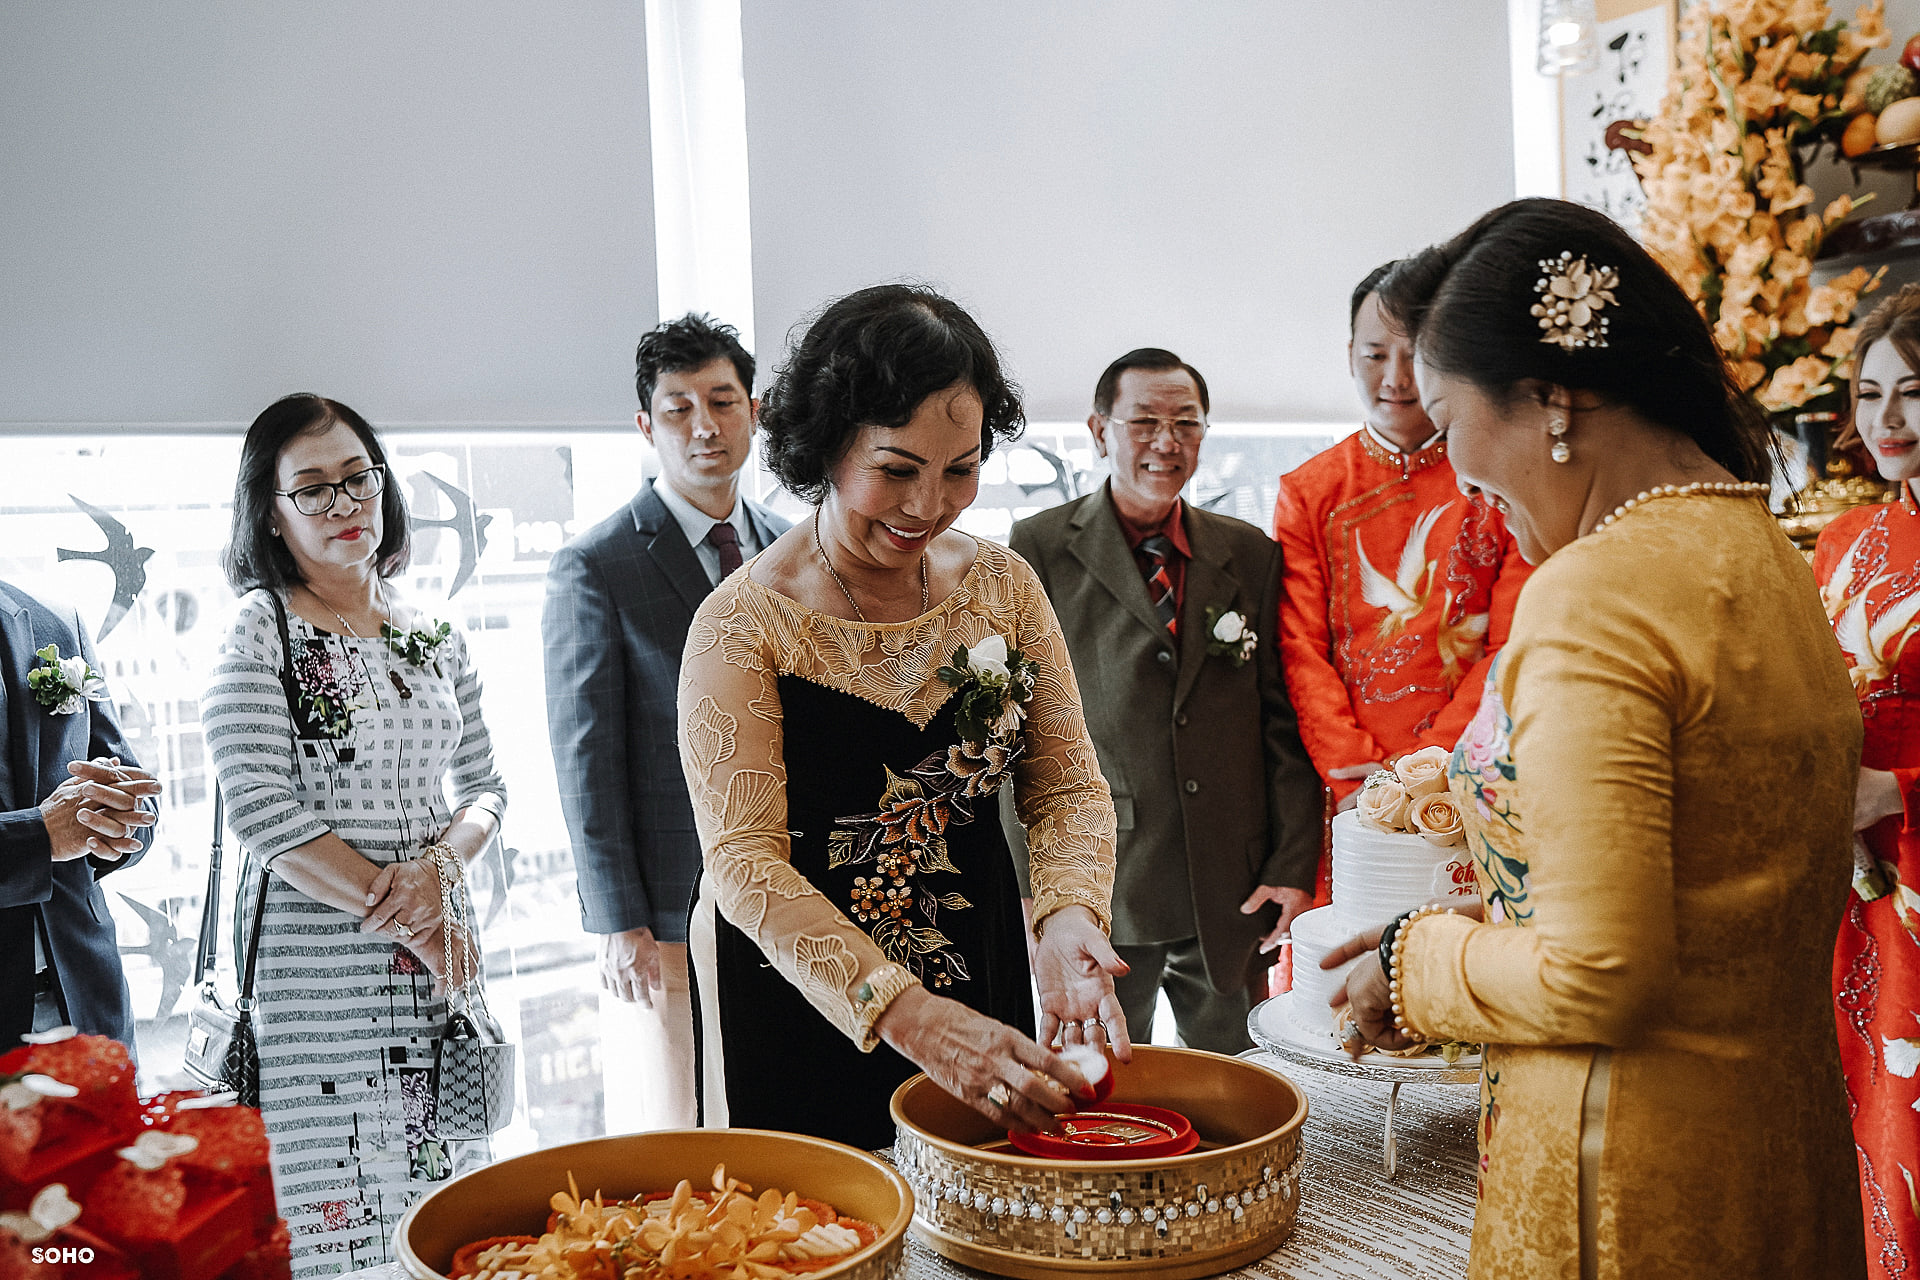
<point x="514" y="1198"/>
<point x="1231" y="1200"/>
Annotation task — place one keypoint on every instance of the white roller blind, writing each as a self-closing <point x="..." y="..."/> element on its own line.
<point x="1091" y="177"/>
<point x="434" y="211"/>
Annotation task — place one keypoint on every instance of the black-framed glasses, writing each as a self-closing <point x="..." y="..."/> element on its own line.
<point x="318" y="499"/>
<point x="1147" y="430"/>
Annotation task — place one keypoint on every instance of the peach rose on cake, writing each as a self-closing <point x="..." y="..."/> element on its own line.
<point x="1383" y="803"/>
<point x="1423" y="772"/>
<point x="1437" y="818"/>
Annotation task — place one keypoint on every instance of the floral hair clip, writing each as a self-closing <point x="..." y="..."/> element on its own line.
<point x="1572" y="295"/>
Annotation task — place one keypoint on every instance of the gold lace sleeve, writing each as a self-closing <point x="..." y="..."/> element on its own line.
<point x="1059" y="792"/>
<point x="731" y="748"/>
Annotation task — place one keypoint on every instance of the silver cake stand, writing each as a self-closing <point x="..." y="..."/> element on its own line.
<point x="1275" y="1032"/>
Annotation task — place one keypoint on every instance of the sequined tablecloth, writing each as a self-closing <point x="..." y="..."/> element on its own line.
<point x="1354" y="1223"/>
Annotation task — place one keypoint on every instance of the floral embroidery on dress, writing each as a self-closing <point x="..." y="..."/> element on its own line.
<point x="330" y="687"/>
<point x="1483" y="764"/>
<point x="1489" y="1121"/>
<point x="906" y="838"/>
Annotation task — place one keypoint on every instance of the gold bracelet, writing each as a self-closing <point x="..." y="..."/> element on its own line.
<point x="1393" y="968"/>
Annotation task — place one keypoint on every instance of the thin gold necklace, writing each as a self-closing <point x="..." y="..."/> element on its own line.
<point x="822" y="549"/>
<point x="380" y="591"/>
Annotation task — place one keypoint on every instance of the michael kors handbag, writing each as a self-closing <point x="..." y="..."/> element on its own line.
<point x="473" y="1067"/>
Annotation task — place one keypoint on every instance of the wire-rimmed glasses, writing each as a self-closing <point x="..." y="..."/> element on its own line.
<point x="1147" y="430"/>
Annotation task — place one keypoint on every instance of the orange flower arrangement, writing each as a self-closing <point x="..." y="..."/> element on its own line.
<point x="1728" y="211"/>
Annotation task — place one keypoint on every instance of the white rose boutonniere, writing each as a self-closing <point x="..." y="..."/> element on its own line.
<point x="1229" y="636"/>
<point x="64" y="685"/>
<point x="994" y="681"/>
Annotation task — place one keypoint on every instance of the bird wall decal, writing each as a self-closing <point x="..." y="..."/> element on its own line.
<point x="128" y="562"/>
<point x="1066" y="477"/>
<point x="170" y="952"/>
<point x="470" y="528"/>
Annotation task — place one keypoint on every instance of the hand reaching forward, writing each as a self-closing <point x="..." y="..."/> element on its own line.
<point x="1292" y="903"/>
<point x="1367" y="995"/>
<point x="986" y="1064"/>
<point x="1074" y="966"/>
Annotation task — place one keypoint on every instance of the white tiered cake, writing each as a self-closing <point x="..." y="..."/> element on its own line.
<point x="1377" y="874"/>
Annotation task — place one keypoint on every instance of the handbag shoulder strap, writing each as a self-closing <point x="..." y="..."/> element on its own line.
<point x="204" y="956"/>
<point x="289" y="685"/>
<point x="253" y="943"/>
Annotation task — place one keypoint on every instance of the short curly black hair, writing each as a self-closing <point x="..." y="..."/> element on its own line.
<point x="869" y="359"/>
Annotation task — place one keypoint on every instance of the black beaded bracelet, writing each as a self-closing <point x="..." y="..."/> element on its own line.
<point x="1387" y="936"/>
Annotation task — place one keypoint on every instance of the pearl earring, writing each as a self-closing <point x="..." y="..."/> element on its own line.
<point x="1557" y="429"/>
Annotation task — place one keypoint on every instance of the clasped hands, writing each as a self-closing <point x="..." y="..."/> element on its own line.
<point x="1006" y="1077"/>
<point x="405" y="903"/>
<point x="96" y="811"/>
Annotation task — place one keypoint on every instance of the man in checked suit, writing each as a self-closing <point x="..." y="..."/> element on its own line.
<point x="620" y="599"/>
<point x="1218" y="807"/>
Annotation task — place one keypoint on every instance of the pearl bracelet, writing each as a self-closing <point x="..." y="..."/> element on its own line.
<point x="1393" y="966"/>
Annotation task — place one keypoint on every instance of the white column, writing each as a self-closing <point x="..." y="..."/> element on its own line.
<point x="1536" y="108"/>
<point x="698" y="99"/>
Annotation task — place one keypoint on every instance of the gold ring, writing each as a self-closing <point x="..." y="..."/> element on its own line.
<point x="406" y="930"/>
<point x="1000" y="1096"/>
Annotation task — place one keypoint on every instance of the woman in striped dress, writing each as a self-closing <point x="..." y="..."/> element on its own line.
<point x="336" y="718"/>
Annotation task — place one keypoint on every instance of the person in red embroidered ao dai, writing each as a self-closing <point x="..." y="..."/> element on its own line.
<point x="1868" y="566"/>
<point x="1397" y="588"/>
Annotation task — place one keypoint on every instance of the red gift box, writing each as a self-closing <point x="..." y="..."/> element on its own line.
<point x="272" y="1259"/>
<point x="101" y="1069"/>
<point x="204" y="1213"/>
<point x="173" y="1228"/>
<point x="45" y="1135"/>
<point x="75" y="1158"/>
<point x="232" y="1153"/>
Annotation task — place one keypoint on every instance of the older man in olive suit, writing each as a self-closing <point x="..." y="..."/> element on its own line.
<point x="1219" y="808"/>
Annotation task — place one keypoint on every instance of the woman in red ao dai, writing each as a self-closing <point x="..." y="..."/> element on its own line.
<point x="1868" y="566"/>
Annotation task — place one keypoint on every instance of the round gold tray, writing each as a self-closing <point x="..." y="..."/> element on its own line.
<point x="511" y="1197"/>
<point x="983" y="1204"/>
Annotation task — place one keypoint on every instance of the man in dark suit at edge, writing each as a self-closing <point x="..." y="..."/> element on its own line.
<point x="74" y="806"/>
<point x="1218" y="807"/>
<point x="620" y="599"/>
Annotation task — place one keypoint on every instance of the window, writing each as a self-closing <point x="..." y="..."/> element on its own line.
<point x="490" y="509"/>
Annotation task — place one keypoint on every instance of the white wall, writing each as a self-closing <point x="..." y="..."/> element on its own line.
<point x="434" y="211"/>
<point x="1091" y="177"/>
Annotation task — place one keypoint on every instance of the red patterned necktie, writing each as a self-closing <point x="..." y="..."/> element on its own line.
<point x="1159" y="548"/>
<point x="726" y="540"/>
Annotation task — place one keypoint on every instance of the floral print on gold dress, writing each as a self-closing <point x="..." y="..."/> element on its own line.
<point x="852" y="840"/>
<point x="1658" y="794"/>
